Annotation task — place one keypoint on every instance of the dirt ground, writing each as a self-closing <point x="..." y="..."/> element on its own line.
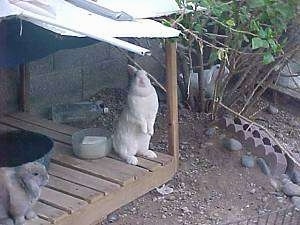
<point x="211" y="186"/>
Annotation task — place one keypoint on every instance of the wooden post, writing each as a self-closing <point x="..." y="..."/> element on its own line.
<point x="24" y="88"/>
<point x="172" y="100"/>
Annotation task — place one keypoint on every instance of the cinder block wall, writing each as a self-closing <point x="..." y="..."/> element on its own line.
<point x="9" y="83"/>
<point x="74" y="75"/>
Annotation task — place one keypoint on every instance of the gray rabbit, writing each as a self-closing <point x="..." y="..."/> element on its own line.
<point x="136" y="123"/>
<point x="20" y="188"/>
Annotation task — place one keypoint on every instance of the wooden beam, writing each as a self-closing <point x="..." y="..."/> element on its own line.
<point x="172" y="99"/>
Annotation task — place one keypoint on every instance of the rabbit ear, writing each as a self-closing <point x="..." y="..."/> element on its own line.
<point x="131" y="70"/>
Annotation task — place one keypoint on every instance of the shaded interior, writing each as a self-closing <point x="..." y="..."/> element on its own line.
<point x="237" y="121"/>
<point x="256" y="134"/>
<point x="246" y="126"/>
<point x="266" y="141"/>
<point x="277" y="149"/>
<point x="19" y="147"/>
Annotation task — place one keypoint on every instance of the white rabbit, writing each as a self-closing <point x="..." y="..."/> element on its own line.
<point x="20" y="188"/>
<point x="210" y="76"/>
<point x="136" y="123"/>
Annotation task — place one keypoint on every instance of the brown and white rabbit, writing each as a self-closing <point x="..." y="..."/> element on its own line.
<point x="20" y="189"/>
<point x="136" y="124"/>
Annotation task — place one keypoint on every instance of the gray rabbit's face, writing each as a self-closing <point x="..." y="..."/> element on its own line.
<point x="34" y="172"/>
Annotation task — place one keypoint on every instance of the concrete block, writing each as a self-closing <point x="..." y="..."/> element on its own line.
<point x="108" y="74"/>
<point x="225" y="122"/>
<point x="55" y="88"/>
<point x="9" y="84"/>
<point x="277" y="163"/>
<point x="41" y="66"/>
<point x="80" y="57"/>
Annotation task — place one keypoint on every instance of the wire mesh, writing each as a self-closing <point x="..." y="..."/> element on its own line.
<point x="289" y="216"/>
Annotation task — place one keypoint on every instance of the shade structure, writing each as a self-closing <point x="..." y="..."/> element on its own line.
<point x="66" y="18"/>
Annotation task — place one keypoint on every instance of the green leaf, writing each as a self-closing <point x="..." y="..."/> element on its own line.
<point x="268" y="58"/>
<point x="256" y="3"/>
<point x="254" y="25"/>
<point x="259" y="43"/>
<point x="198" y="27"/>
<point x="230" y="23"/>
<point x="273" y="45"/>
<point x="262" y="33"/>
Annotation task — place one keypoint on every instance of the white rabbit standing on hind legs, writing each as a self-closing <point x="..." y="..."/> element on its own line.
<point x="136" y="124"/>
<point x="20" y="189"/>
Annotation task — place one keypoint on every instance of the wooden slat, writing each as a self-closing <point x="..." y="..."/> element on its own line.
<point x="162" y="158"/>
<point x="5" y="128"/>
<point x="105" y="168"/>
<point x="49" y="213"/>
<point x="48" y="124"/>
<point x="144" y="163"/>
<point x="34" y="128"/>
<point x="75" y="190"/>
<point x="172" y="99"/>
<point x="61" y="201"/>
<point x="100" y="209"/>
<point x="37" y="221"/>
<point x="148" y="164"/>
<point x="83" y="179"/>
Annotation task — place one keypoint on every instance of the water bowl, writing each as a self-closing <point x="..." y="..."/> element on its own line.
<point x="91" y="143"/>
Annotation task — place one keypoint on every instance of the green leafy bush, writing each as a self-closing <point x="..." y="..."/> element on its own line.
<point x="249" y="36"/>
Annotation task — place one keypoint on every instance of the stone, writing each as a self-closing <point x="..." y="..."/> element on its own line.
<point x="273" y="110"/>
<point x="263" y="166"/>
<point x="294" y="123"/>
<point x="232" y="144"/>
<point x="295" y="176"/>
<point x="210" y="132"/>
<point x="113" y="217"/>
<point x="296" y="202"/>
<point x="248" y="161"/>
<point x="291" y="189"/>
<point x="186" y="210"/>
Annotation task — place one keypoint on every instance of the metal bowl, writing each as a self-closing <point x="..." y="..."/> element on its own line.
<point x="20" y="147"/>
<point x="91" y="151"/>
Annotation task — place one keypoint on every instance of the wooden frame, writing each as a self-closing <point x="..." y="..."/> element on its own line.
<point x="85" y="191"/>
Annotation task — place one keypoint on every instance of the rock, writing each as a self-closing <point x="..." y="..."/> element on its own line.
<point x="296" y="201"/>
<point x="210" y="132"/>
<point x="263" y="166"/>
<point x="186" y="210"/>
<point x="113" y="217"/>
<point x="272" y="110"/>
<point x="232" y="144"/>
<point x="295" y="176"/>
<point x="248" y="161"/>
<point x="163" y="216"/>
<point x="276" y="184"/>
<point x="291" y="189"/>
<point x="294" y="123"/>
<point x="252" y="191"/>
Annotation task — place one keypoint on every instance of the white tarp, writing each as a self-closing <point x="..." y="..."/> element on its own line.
<point x="142" y="9"/>
<point x="67" y="19"/>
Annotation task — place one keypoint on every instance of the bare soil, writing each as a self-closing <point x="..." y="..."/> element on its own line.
<point x="211" y="186"/>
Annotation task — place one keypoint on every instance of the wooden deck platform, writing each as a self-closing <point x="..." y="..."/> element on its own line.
<point x="82" y="192"/>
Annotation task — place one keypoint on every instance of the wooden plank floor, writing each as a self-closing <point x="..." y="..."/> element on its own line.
<point x="85" y="191"/>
